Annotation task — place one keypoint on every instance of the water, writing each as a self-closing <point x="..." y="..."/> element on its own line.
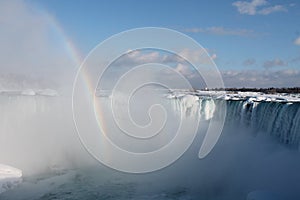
<point x="256" y="156"/>
<point x="280" y="120"/>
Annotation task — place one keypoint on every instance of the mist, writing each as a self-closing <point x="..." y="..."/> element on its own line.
<point x="34" y="53"/>
<point x="44" y="144"/>
<point x="37" y="133"/>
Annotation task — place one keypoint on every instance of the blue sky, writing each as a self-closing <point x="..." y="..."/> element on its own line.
<point x="257" y="38"/>
<point x="236" y="37"/>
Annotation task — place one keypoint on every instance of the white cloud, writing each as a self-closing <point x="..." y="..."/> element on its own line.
<point x="248" y="8"/>
<point x="138" y="57"/>
<point x="183" y="69"/>
<point x="269" y="10"/>
<point x="257" y="78"/>
<point x="232" y="78"/>
<point x="274" y="63"/>
<point x="213" y="56"/>
<point x="219" y="30"/>
<point x="297" y="41"/>
<point x="192" y="55"/>
<point x="290" y="72"/>
<point x="249" y="62"/>
<point x="292" y="4"/>
<point x="255" y="7"/>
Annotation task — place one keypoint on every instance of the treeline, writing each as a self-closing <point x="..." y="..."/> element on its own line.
<point x="270" y="90"/>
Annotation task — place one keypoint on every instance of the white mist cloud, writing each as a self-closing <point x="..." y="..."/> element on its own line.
<point x="30" y="48"/>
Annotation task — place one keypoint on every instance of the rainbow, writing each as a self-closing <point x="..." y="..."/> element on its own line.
<point x="75" y="55"/>
<point x="70" y="48"/>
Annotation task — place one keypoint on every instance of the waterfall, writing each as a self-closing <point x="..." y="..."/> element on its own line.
<point x="38" y="137"/>
<point x="278" y="119"/>
<point x="36" y="132"/>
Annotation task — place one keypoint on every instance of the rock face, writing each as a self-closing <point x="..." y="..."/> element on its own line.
<point x="9" y="177"/>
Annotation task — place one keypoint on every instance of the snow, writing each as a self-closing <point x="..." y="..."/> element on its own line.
<point x="9" y="177"/>
<point x="28" y="92"/>
<point x="237" y="96"/>
<point x="48" y="92"/>
<point x="31" y="92"/>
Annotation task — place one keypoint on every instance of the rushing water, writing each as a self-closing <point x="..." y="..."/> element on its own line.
<point x="256" y="156"/>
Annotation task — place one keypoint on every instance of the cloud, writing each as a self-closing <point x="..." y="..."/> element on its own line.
<point x="248" y="8"/>
<point x="138" y="57"/>
<point x="258" y="78"/>
<point x="183" y="69"/>
<point x="249" y="62"/>
<point x="232" y="78"/>
<point x="255" y="7"/>
<point x="297" y="41"/>
<point x="295" y="60"/>
<point x="274" y="63"/>
<point x="219" y="30"/>
<point x="176" y="65"/>
<point x="247" y="78"/>
<point x="269" y="10"/>
<point x="292" y="4"/>
<point x="213" y="56"/>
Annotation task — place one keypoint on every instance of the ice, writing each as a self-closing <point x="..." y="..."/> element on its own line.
<point x="28" y="92"/>
<point x="9" y="177"/>
<point x="189" y="100"/>
<point x="236" y="96"/>
<point x="48" y="92"/>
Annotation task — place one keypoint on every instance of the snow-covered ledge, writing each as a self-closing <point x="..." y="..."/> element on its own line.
<point x="9" y="177"/>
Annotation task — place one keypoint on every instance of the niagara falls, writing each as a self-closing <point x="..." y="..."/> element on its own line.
<point x="260" y="138"/>
<point x="149" y="100"/>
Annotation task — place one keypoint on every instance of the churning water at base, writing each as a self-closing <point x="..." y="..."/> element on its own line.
<point x="252" y="159"/>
